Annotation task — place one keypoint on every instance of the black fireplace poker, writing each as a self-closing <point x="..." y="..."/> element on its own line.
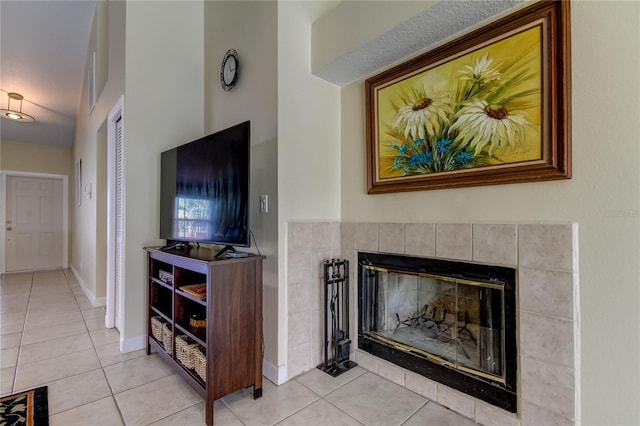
<point x="336" y="343"/>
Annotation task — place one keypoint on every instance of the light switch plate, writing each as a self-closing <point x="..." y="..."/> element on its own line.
<point x="264" y="204"/>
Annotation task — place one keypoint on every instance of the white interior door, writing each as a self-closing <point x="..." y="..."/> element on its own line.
<point x="34" y="224"/>
<point x="119" y="228"/>
<point x="115" y="218"/>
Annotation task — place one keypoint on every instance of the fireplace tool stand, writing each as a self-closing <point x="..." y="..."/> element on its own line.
<point x="336" y="343"/>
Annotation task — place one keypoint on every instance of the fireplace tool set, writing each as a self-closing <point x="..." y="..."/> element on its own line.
<point x="336" y="344"/>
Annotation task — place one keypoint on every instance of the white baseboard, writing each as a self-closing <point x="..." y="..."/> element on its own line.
<point x="133" y="344"/>
<point x="277" y="375"/>
<point x="96" y="302"/>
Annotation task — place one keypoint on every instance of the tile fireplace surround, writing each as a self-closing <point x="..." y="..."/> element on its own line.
<point x="545" y="257"/>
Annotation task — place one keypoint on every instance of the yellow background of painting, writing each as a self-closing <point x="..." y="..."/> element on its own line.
<point x="443" y="78"/>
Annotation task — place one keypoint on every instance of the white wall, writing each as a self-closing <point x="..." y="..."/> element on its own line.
<point x="329" y="44"/>
<point x="163" y="107"/>
<point x="254" y="98"/>
<point x="603" y="198"/>
<point x="308" y="138"/>
<point x="86" y="260"/>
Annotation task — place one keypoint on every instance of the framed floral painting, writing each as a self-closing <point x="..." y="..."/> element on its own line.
<point x="490" y="107"/>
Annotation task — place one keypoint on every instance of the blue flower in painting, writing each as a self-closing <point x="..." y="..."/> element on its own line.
<point x="427" y="157"/>
<point x="403" y="150"/>
<point x="414" y="160"/>
<point x="420" y="159"/>
<point x="443" y="145"/>
<point x="397" y="163"/>
<point x="464" y="158"/>
<point x="418" y="143"/>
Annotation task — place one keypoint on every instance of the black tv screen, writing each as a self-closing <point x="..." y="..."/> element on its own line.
<point x="204" y="189"/>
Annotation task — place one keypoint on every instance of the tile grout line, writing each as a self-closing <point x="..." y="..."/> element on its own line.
<point x="24" y="325"/>
<point x="340" y="409"/>
<point x="63" y="337"/>
<point x="427" y="401"/>
<point x="111" y="391"/>
<point x="323" y="397"/>
<point x="93" y="345"/>
<point x="24" y="329"/>
<point x="50" y="340"/>
<point x="101" y="367"/>
<point x="229" y="408"/>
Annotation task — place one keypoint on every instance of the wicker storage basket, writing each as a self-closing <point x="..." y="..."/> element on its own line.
<point x="167" y="338"/>
<point x="195" y="290"/>
<point x="156" y="327"/>
<point x="184" y="350"/>
<point x="197" y="323"/>
<point x="200" y="361"/>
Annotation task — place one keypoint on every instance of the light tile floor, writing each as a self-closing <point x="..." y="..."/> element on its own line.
<point x="51" y="335"/>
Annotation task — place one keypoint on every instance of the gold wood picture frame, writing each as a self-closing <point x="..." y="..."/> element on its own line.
<point x="491" y="107"/>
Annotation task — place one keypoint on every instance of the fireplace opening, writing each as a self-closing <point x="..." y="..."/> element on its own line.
<point x="453" y="322"/>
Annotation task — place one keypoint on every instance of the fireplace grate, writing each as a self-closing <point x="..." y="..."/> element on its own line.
<point x="453" y="322"/>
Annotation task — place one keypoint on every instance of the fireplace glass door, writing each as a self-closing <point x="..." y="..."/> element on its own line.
<point x="458" y="323"/>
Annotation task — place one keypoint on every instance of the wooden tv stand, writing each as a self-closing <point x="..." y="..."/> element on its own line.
<point x="232" y="337"/>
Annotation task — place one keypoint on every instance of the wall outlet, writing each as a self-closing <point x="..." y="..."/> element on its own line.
<point x="264" y="204"/>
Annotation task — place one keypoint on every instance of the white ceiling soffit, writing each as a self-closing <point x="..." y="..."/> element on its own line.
<point x="43" y="50"/>
<point x="435" y="24"/>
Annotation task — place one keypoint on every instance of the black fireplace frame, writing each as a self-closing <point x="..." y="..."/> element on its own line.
<point x="503" y="395"/>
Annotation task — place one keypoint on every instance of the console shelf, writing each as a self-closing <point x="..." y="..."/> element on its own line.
<point x="232" y="309"/>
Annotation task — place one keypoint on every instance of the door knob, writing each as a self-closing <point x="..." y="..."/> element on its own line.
<point x="9" y="228"/>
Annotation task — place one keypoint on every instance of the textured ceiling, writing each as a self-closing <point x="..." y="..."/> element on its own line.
<point x="43" y="48"/>
<point x="430" y="27"/>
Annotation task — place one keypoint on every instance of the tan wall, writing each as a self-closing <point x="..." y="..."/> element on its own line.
<point x="35" y="158"/>
<point x="253" y="98"/>
<point x="602" y="198"/>
<point x="163" y="107"/>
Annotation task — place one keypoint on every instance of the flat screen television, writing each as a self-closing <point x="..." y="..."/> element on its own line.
<point x="204" y="190"/>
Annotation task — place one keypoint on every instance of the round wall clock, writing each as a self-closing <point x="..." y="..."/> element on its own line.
<point x="229" y="70"/>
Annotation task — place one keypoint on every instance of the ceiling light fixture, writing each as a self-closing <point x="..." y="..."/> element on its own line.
<point x="14" y="115"/>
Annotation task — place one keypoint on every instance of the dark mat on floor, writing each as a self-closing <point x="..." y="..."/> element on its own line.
<point x="28" y="408"/>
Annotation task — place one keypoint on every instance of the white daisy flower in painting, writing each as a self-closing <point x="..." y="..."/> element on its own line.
<point x="479" y="124"/>
<point x="423" y="115"/>
<point x="481" y="73"/>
